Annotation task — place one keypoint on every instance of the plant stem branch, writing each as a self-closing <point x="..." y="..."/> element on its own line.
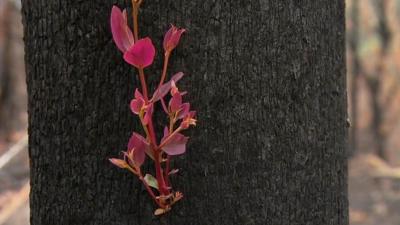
<point x="135" y="13"/>
<point x="152" y="137"/>
<point x="144" y="85"/>
<point x="150" y="191"/>
<point x="165" y="68"/>
<point x="169" y="138"/>
<point x="139" y="174"/>
<point x="150" y="134"/>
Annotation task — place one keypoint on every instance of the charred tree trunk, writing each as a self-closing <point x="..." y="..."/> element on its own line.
<point x="268" y="80"/>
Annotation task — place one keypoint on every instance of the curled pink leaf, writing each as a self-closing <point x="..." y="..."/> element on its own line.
<point x="172" y="38"/>
<point x="121" y="33"/>
<point x="141" y="54"/>
<point x="137" y="148"/>
<point x="137" y="103"/>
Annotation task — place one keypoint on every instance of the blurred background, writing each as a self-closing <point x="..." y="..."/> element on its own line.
<point x="373" y="57"/>
<point x="14" y="164"/>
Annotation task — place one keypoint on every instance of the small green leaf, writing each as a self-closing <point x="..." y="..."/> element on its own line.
<point x="151" y="181"/>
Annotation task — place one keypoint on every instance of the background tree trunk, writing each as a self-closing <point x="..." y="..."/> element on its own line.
<point x="12" y="74"/>
<point x="356" y="70"/>
<point x="375" y="80"/>
<point x="268" y="80"/>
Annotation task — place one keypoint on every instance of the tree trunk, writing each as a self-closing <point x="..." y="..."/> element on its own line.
<point x="268" y="81"/>
<point x="375" y="81"/>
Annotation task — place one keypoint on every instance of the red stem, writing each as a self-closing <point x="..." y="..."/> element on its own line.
<point x="159" y="175"/>
<point x="153" y="196"/>
<point x="169" y="138"/>
<point x="135" y="13"/>
<point x="138" y="173"/>
<point x="165" y="68"/>
<point x="144" y="85"/>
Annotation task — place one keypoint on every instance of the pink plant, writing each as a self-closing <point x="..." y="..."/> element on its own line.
<point x="122" y="35"/>
<point x="140" y="53"/>
<point x="172" y="38"/>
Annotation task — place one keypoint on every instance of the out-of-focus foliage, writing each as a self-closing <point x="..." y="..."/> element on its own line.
<point x="374" y="110"/>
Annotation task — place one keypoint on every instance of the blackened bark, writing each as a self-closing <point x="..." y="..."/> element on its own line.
<point x="268" y="80"/>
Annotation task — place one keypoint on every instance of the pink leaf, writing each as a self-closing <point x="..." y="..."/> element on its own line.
<point x="138" y="144"/>
<point x="148" y="115"/>
<point x="176" y="102"/>
<point x="122" y="35"/>
<point x="141" y="54"/>
<point x="174" y="89"/>
<point x="119" y="162"/>
<point x="177" y="77"/>
<point x="165" y="88"/>
<point x="138" y="95"/>
<point x="166" y="132"/>
<point x="185" y="108"/>
<point x="172" y="37"/>
<point x="189" y="119"/>
<point x="138" y="103"/>
<point x="176" y="145"/>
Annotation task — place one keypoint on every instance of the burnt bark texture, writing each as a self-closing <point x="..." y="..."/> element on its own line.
<point x="267" y="78"/>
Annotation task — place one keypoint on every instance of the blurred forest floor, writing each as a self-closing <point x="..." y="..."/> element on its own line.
<point x="14" y="163"/>
<point x="373" y="39"/>
<point x="373" y="54"/>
